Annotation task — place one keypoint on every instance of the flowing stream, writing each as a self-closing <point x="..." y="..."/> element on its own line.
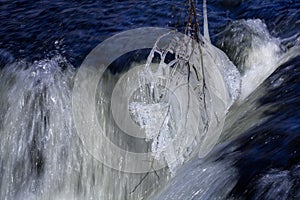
<point x="227" y="127"/>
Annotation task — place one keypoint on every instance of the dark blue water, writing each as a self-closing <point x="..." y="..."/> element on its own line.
<point x="34" y="30"/>
<point x="272" y="148"/>
<point x="37" y="29"/>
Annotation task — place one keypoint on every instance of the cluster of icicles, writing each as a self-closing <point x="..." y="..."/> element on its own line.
<point x="183" y="99"/>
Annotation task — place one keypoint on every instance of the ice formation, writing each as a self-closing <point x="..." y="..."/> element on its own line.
<point x="202" y="80"/>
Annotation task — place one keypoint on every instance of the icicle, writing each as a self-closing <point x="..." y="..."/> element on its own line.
<point x="205" y="22"/>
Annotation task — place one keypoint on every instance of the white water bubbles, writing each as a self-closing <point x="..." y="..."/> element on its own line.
<point x="254" y="50"/>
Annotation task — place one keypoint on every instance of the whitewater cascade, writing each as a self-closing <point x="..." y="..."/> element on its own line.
<point x="258" y="52"/>
<point x="181" y="105"/>
<point x="46" y="158"/>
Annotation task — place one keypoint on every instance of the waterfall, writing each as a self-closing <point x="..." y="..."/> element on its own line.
<point x="185" y="123"/>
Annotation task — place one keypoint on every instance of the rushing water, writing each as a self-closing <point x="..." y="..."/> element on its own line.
<point x="42" y="45"/>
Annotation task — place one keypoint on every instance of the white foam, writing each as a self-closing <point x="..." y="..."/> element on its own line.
<point x="257" y="55"/>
